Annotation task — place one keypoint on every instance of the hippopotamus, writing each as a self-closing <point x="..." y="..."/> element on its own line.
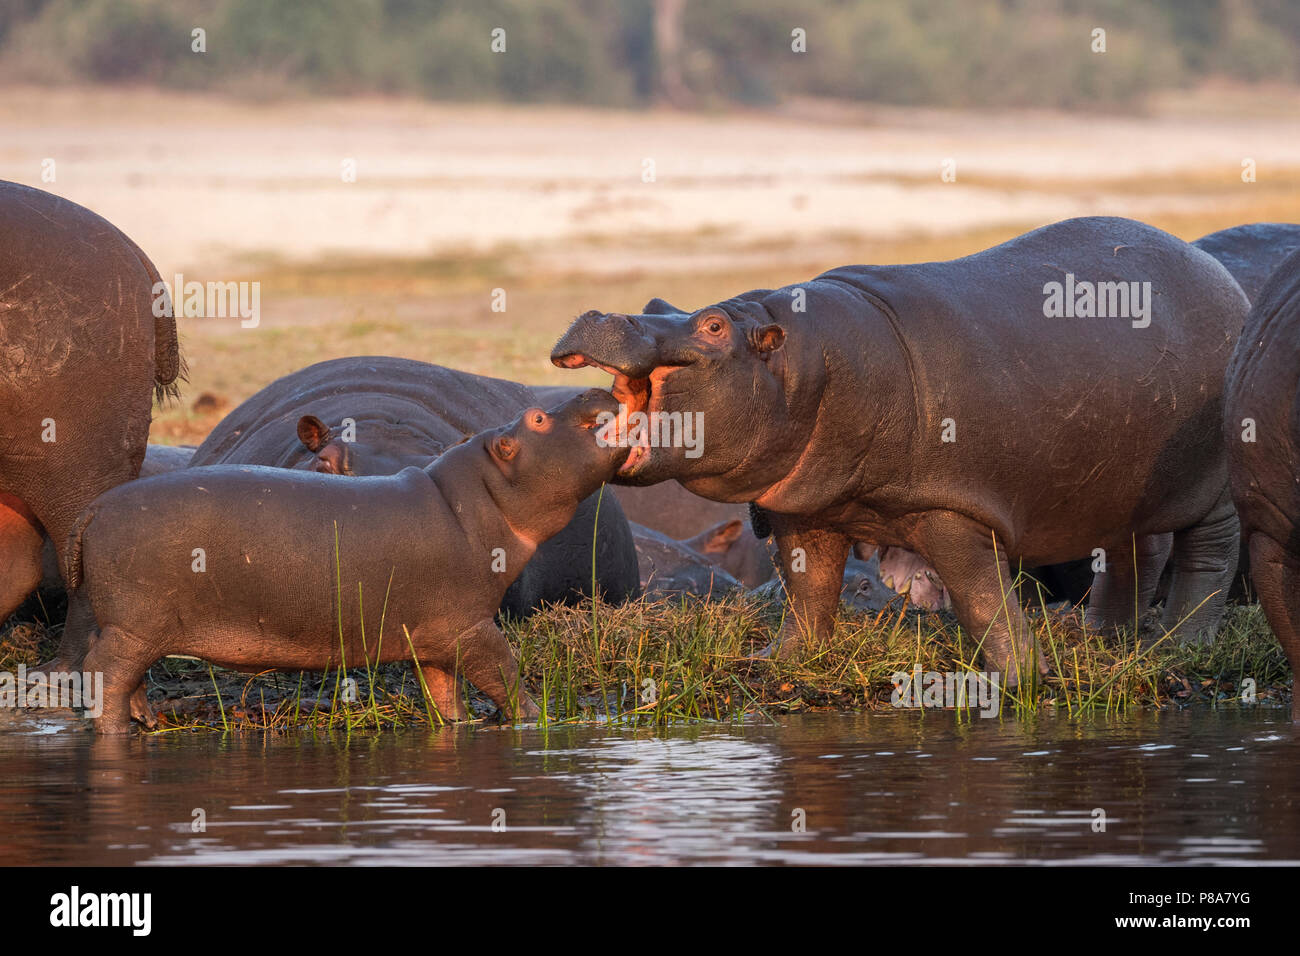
<point x="293" y="563"/>
<point x="906" y="573"/>
<point x="1251" y="252"/>
<point x="1067" y="583"/>
<point x="672" y="510"/>
<point x="87" y="343"/>
<point x="1054" y="394"/>
<point x="1262" y="431"/>
<point x="710" y="528"/>
<point x="669" y="567"/>
<point x="375" y="415"/>
<point x="862" y="587"/>
<point x="730" y="545"/>
<point x="158" y="460"/>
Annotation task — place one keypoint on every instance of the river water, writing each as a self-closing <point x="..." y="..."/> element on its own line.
<point x="1196" y="787"/>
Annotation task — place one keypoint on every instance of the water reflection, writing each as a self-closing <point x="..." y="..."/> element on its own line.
<point x="1198" y="788"/>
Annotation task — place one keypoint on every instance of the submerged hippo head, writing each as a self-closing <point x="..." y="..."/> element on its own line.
<point x="362" y="449"/>
<point x="550" y="457"/>
<point x="703" y="395"/>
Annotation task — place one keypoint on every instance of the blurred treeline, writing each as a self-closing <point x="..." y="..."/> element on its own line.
<point x="637" y="52"/>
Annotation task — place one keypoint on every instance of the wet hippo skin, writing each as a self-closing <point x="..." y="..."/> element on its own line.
<point x="828" y="404"/>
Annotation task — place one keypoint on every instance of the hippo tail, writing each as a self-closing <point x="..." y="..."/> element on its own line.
<point x="72" y="570"/>
<point x="169" y="368"/>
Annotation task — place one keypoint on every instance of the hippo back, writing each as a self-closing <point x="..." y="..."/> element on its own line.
<point x="413" y="406"/>
<point x="1251" y="252"/>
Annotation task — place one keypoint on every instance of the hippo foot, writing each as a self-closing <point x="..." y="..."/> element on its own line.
<point x="526" y="711"/>
<point x="1024" y="676"/>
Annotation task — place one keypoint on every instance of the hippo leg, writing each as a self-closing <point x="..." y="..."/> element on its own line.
<point x="123" y="659"/>
<point x="444" y="691"/>
<point x="21" y="541"/>
<point x="1118" y="597"/>
<point x="1204" y="562"/>
<point x="979" y="580"/>
<point x="488" y="663"/>
<point x="1276" y="577"/>
<point x="812" y="566"/>
<point x="78" y="630"/>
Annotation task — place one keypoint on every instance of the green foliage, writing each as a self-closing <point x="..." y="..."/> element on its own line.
<point x="924" y="52"/>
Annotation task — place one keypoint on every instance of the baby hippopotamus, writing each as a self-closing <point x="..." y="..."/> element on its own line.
<point x="247" y="566"/>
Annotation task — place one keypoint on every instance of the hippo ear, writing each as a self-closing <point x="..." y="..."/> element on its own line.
<point x="658" y="306"/>
<point x="719" y="538"/>
<point x="313" y="432"/>
<point x="504" y="447"/>
<point x="768" y="339"/>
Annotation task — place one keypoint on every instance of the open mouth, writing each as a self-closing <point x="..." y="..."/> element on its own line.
<point x="633" y="395"/>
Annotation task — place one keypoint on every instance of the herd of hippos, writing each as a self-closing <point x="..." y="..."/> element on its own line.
<point x="1096" y="387"/>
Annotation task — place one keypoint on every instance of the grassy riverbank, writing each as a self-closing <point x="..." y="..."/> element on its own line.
<point x="663" y="661"/>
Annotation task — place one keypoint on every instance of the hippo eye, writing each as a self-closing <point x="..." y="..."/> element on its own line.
<point x="713" y="326"/>
<point x="538" y="418"/>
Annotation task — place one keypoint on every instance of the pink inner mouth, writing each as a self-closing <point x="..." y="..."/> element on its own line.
<point x="632" y="395"/>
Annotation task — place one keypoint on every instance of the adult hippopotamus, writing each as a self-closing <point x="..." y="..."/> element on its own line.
<point x="1261" y="427"/>
<point x="429" y="552"/>
<point x="1052" y="395"/>
<point x="1251" y="252"/>
<point x="375" y="415"/>
<point x="83" y="354"/>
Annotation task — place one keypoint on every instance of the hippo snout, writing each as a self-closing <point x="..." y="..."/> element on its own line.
<point x="596" y="402"/>
<point x="612" y="341"/>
